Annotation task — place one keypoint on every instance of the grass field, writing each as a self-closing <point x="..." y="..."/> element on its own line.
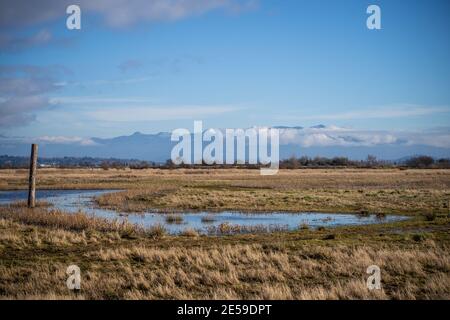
<point x="121" y="261"/>
<point x="328" y="190"/>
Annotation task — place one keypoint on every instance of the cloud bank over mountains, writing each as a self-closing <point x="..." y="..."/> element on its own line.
<point x="313" y="141"/>
<point x="326" y="136"/>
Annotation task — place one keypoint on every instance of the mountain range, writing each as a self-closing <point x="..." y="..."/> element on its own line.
<point x="320" y="140"/>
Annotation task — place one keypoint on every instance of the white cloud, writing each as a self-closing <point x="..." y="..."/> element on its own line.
<point x="151" y="113"/>
<point x="102" y="82"/>
<point x="18" y="14"/>
<point x="67" y="140"/>
<point x="130" y="64"/>
<point x="23" y="92"/>
<point x="64" y="140"/>
<point x="116" y="13"/>
<point x="395" y="111"/>
<point x="337" y="136"/>
<point x="15" y="43"/>
<point x="99" y="100"/>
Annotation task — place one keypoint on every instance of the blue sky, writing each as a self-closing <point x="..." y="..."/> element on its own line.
<point x="228" y="63"/>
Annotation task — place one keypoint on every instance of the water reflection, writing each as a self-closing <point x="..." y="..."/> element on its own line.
<point x="204" y="222"/>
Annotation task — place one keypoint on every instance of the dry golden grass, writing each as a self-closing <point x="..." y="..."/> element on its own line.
<point x="332" y="190"/>
<point x="307" y="178"/>
<point x="189" y="232"/>
<point x="64" y="221"/>
<point x="116" y="262"/>
<point x="174" y="219"/>
<point x="24" y="204"/>
<point x="33" y="260"/>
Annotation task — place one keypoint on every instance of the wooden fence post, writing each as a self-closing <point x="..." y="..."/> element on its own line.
<point x="32" y="178"/>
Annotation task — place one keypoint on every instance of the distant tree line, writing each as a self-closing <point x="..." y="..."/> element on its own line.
<point x="13" y="162"/>
<point x="17" y="162"/>
<point x="370" y="162"/>
<point x="323" y="162"/>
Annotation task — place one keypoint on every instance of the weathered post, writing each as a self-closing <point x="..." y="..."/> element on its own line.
<point x="32" y="178"/>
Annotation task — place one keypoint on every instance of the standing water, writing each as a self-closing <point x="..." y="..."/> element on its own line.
<point x="205" y="222"/>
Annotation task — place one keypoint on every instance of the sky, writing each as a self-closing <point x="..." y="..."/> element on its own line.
<point x="153" y="66"/>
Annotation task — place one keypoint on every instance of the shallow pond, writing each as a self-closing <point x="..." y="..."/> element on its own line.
<point x="204" y="222"/>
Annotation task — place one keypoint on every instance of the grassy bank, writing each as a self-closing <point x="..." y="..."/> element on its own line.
<point x="119" y="262"/>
